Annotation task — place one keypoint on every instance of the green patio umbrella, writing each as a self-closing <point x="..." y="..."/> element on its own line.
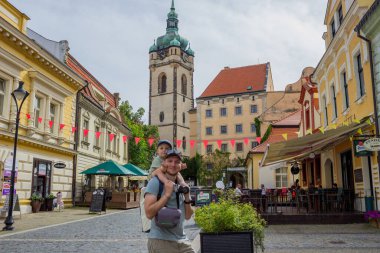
<point x="109" y="168"/>
<point x="138" y="171"/>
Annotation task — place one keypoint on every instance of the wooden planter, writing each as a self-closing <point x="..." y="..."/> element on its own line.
<point x="36" y="205"/>
<point x="227" y="242"/>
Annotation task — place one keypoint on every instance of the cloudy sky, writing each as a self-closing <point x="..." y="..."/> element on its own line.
<point x="111" y="38"/>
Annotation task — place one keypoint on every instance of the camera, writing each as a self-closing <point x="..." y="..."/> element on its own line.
<point x="181" y="189"/>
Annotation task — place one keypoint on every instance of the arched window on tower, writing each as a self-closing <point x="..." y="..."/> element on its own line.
<point x="183" y="118"/>
<point x="184" y="143"/>
<point x="162" y="116"/>
<point x="184" y="85"/>
<point x="162" y="84"/>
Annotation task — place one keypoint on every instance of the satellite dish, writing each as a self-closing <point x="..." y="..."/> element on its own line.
<point x="220" y="185"/>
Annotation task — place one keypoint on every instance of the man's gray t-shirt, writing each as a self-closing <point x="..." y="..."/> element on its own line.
<point x="174" y="234"/>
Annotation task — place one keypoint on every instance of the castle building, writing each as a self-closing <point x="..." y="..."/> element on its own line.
<point x="171" y="90"/>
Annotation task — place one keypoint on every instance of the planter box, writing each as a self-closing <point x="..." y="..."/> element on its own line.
<point x="36" y="205"/>
<point x="227" y="242"/>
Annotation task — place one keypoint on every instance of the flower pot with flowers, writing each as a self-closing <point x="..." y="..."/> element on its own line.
<point x="373" y="218"/>
<point x="36" y="201"/>
<point x="230" y="224"/>
<point x="49" y="202"/>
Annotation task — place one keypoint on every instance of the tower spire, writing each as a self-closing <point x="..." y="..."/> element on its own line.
<point x="172" y="8"/>
<point x="172" y="21"/>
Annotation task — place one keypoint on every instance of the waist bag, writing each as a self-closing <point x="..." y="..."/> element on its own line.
<point x="168" y="217"/>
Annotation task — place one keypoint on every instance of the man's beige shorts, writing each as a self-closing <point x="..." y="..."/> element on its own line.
<point x="164" y="246"/>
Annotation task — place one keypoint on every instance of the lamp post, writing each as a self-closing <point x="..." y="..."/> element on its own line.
<point x="18" y="95"/>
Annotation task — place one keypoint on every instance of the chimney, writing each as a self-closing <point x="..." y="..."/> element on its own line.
<point x="117" y="98"/>
<point x="226" y="67"/>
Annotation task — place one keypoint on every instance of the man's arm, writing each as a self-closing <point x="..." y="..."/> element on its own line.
<point x="188" y="209"/>
<point x="152" y="206"/>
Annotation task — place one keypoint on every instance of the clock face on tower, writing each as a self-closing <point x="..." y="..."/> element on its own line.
<point x="161" y="54"/>
<point x="185" y="58"/>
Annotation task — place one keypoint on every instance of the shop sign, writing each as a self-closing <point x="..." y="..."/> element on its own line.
<point x="202" y="197"/>
<point x="372" y="144"/>
<point x="60" y="165"/>
<point x="359" y="148"/>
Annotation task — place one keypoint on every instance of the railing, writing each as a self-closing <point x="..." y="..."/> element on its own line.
<point x="309" y="201"/>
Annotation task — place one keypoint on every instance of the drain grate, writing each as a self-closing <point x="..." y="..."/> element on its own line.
<point x="337" y="242"/>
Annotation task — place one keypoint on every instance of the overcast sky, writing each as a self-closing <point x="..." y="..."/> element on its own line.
<point x="111" y="38"/>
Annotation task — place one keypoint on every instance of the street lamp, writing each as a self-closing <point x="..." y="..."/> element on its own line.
<point x="19" y="95"/>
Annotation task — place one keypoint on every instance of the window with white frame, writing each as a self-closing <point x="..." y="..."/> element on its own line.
<point x="238" y="110"/>
<point x="224" y="147"/>
<point x="108" y="141"/>
<point x="281" y="177"/>
<point x="223" y="112"/>
<point x="253" y="128"/>
<point x="253" y="108"/>
<point x="209" y="149"/>
<point x="208" y="113"/>
<point x="333" y="102"/>
<point x="117" y="144"/>
<point x="346" y="97"/>
<point x="223" y="129"/>
<point x="53" y="117"/>
<point x="114" y="144"/>
<point x="208" y="130"/>
<point x="37" y="112"/>
<point x="2" y="96"/>
<point x="85" y="126"/>
<point x="97" y="136"/>
<point x="324" y="108"/>
<point x="239" y="147"/>
<point x="359" y="76"/>
<point x="238" y="128"/>
<point x="125" y="150"/>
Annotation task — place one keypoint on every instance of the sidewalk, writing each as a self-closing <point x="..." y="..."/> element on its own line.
<point x="45" y="219"/>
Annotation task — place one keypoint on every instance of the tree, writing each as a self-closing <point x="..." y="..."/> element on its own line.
<point x="193" y="166"/>
<point x="139" y="154"/>
<point x="212" y="167"/>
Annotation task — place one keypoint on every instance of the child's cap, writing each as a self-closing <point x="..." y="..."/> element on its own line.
<point x="174" y="152"/>
<point x="160" y="142"/>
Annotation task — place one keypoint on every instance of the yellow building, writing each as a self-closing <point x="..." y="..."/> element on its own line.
<point x="47" y="116"/>
<point x="345" y="91"/>
<point x="343" y="79"/>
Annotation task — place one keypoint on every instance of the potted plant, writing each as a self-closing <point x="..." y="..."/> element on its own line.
<point x="36" y="201"/>
<point x="230" y="224"/>
<point x="373" y="218"/>
<point x="49" y="202"/>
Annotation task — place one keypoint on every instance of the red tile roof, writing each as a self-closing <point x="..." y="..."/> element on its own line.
<point x="237" y="80"/>
<point x="288" y="125"/>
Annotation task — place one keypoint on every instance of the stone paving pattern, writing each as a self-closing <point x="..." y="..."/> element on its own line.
<point x="120" y="231"/>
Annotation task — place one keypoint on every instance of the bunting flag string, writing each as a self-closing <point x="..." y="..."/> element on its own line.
<point x="219" y="142"/>
<point x="232" y="142"/>
<point x="150" y="141"/>
<point x="192" y="143"/>
<point x="179" y="142"/>
<point x="137" y="140"/>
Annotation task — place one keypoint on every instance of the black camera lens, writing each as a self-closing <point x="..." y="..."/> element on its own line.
<point x="183" y="189"/>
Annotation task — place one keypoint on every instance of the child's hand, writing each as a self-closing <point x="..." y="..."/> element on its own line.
<point x="183" y="166"/>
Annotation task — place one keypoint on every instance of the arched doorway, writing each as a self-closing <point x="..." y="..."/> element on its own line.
<point x="329" y="173"/>
<point x="237" y="178"/>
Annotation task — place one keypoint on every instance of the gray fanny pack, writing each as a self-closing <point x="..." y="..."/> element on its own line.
<point x="168" y="217"/>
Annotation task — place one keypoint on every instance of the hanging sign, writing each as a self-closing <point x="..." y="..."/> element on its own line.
<point x="359" y="148"/>
<point x="60" y="165"/>
<point x="295" y="170"/>
<point x="372" y="144"/>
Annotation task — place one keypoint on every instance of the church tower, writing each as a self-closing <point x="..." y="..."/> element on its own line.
<point x="171" y="90"/>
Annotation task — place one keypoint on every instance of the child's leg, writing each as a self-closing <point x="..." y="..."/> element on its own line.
<point x="180" y="180"/>
<point x="160" y="174"/>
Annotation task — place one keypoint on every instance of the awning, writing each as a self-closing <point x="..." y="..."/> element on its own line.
<point x="274" y="166"/>
<point x="108" y="168"/>
<point x="139" y="178"/>
<point x="138" y="171"/>
<point x="302" y="147"/>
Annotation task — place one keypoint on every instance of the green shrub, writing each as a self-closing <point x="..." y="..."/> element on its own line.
<point x="36" y="197"/>
<point x="229" y="215"/>
<point x="50" y="196"/>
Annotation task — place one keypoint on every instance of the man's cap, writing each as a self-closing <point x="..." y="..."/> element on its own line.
<point x="160" y="142"/>
<point x="173" y="152"/>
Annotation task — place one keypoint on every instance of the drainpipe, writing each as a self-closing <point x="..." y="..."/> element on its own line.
<point x="374" y="101"/>
<point x="76" y="140"/>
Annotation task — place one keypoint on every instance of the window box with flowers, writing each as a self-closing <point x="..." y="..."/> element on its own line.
<point x="373" y="218"/>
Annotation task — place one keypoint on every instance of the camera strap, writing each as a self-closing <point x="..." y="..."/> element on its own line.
<point x="161" y="189"/>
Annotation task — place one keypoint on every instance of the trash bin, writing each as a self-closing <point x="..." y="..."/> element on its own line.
<point x="369" y="203"/>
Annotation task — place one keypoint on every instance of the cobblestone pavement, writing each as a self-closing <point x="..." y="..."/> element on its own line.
<point x="121" y="232"/>
<point x="117" y="232"/>
<point x="348" y="238"/>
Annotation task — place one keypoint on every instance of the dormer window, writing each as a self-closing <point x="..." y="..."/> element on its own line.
<point x="332" y="26"/>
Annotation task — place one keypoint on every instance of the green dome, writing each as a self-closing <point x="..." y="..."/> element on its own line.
<point x="171" y="38"/>
<point x="190" y="51"/>
<point x="153" y="48"/>
<point x="175" y="42"/>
